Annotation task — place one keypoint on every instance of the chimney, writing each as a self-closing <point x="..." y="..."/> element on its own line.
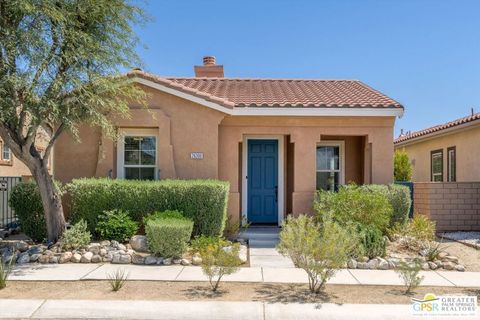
<point x="209" y="69"/>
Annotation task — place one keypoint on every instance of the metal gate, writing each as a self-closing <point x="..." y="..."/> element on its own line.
<point x="7" y="215"/>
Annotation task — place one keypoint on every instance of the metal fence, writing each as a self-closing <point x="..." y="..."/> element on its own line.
<point x="7" y="215"/>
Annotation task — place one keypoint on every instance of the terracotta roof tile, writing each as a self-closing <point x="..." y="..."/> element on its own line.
<point x="437" y="128"/>
<point x="295" y="93"/>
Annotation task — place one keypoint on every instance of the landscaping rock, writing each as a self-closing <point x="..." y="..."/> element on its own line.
<point x="23" y="258"/>
<point x="167" y="261"/>
<point x="121" y="258"/>
<point x="139" y="243"/>
<point x="196" y="260"/>
<point x="44" y="258"/>
<point x="34" y="257"/>
<point x="438" y="263"/>
<point x="96" y="258"/>
<point x="21" y="246"/>
<point x="34" y="250"/>
<point x="94" y="248"/>
<point x="362" y="265"/>
<point x="392" y="264"/>
<point x="105" y="243"/>
<point x="243" y="253"/>
<point x="86" y="257"/>
<point x="76" y="258"/>
<point x="108" y="257"/>
<point x="103" y="252"/>
<point x="363" y="259"/>
<point x="159" y="260"/>
<point x="432" y="265"/>
<point x="48" y="252"/>
<point x="121" y="247"/>
<point x="186" y="262"/>
<point x="460" y="268"/>
<point x="372" y="264"/>
<point x="150" y="260"/>
<point x="352" y="264"/>
<point x="65" y="257"/>
<point x="382" y="264"/>
<point x="53" y="259"/>
<point x="425" y="266"/>
<point x="442" y="255"/>
<point x="450" y="258"/>
<point x="114" y="244"/>
<point x="448" y="265"/>
<point x="138" y="259"/>
<point x="177" y="261"/>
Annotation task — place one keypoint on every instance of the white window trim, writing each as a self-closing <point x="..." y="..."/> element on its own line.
<point x="281" y="175"/>
<point x="127" y="132"/>
<point x="9" y="153"/>
<point x="440" y="153"/>
<point x="332" y="143"/>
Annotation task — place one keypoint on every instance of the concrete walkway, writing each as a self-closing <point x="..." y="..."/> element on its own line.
<point x="212" y="310"/>
<point x="73" y="272"/>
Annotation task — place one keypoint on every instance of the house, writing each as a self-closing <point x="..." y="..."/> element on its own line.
<point x="275" y="140"/>
<point x="9" y="165"/>
<point x="447" y="152"/>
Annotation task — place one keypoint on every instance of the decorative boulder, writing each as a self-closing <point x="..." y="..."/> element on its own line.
<point x="121" y="258"/>
<point x="87" y="257"/>
<point x="65" y="257"/>
<point x="352" y="264"/>
<point x="76" y="258"/>
<point x="96" y="258"/>
<point x="23" y="258"/>
<point x="150" y="260"/>
<point x="139" y="243"/>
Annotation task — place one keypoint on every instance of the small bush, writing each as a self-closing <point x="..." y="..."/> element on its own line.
<point x="168" y="237"/>
<point x="203" y="201"/>
<point x="373" y="242"/>
<point x="76" y="237"/>
<point x="116" y="225"/>
<point x="201" y="243"/>
<point x="26" y="202"/>
<point x="175" y="214"/>
<point x="431" y="250"/>
<point x="415" y="234"/>
<point x="422" y="228"/>
<point x="409" y="273"/>
<point x="219" y="258"/>
<point x="5" y="270"/>
<point x="118" y="279"/>
<point x="399" y="198"/>
<point x="402" y="168"/>
<point x="354" y="204"/>
<point x="319" y="250"/>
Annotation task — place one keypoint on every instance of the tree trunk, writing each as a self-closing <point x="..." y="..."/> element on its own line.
<point x="51" y="200"/>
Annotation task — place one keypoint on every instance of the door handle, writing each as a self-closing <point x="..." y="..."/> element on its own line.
<point x="276" y="193"/>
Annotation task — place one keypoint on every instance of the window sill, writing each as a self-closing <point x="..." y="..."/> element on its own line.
<point x="6" y="163"/>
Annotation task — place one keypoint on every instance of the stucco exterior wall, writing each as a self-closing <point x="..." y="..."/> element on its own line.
<point x="467" y="143"/>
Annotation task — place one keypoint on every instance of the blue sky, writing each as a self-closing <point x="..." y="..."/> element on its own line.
<point x="425" y="54"/>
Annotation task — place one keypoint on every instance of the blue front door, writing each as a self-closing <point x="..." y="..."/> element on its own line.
<point x="262" y="180"/>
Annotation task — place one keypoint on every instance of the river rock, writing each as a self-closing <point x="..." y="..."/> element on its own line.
<point x="150" y="260"/>
<point x="138" y="259"/>
<point x="167" y="261"/>
<point x="196" y="260"/>
<point x="451" y="258"/>
<point x="87" y="257"/>
<point x="448" y="265"/>
<point x="96" y="258"/>
<point x="23" y="258"/>
<point x="139" y="243"/>
<point x="186" y="262"/>
<point x="382" y="264"/>
<point x="34" y="257"/>
<point x="460" y="268"/>
<point x="76" y="258"/>
<point x="352" y="264"/>
<point x="65" y="257"/>
<point x="121" y="258"/>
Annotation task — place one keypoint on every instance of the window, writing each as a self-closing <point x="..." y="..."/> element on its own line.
<point x="139" y="157"/>
<point x="451" y="164"/>
<point x="437" y="165"/>
<point x="329" y="166"/>
<point x="6" y="153"/>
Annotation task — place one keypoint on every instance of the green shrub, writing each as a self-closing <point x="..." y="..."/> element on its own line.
<point x="399" y="198"/>
<point x="203" y="201"/>
<point x="76" y="237"/>
<point x="168" y="237"/>
<point x="175" y="214"/>
<point x="117" y="279"/>
<point x="373" y="242"/>
<point x="219" y="258"/>
<point x="422" y="228"/>
<point x="201" y="243"/>
<point x="319" y="250"/>
<point x="416" y="234"/>
<point x="26" y="202"/>
<point x="354" y="204"/>
<point x="402" y="168"/>
<point x="116" y="225"/>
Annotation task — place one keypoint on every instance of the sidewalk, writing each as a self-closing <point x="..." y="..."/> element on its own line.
<point x="212" y="310"/>
<point x="75" y="272"/>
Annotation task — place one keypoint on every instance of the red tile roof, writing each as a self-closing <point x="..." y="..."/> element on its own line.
<point x="440" y="127"/>
<point x="232" y="92"/>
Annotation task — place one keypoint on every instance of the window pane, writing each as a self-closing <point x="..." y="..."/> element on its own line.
<point x="328" y="158"/>
<point x="132" y="143"/>
<point x="437" y="163"/>
<point x="328" y="180"/>
<point x="148" y="143"/>
<point x="148" y="157"/>
<point x="132" y="173"/>
<point x="147" y="173"/>
<point x="452" y="165"/>
<point x="6" y="153"/>
<point x="437" y="178"/>
<point x="132" y="157"/>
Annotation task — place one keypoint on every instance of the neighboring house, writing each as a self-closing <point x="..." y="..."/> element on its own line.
<point x="275" y="140"/>
<point x="9" y="165"/>
<point x="445" y="153"/>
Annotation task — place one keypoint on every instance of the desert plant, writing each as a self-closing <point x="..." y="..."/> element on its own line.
<point x="168" y="237"/>
<point x="117" y="279"/>
<point x="399" y="198"/>
<point x="431" y="250"/>
<point x="203" y="201"/>
<point x="76" y="237"/>
<point x="219" y="258"/>
<point x="201" y="243"/>
<point x="319" y="250"/>
<point x="232" y="227"/>
<point x="415" y="234"/>
<point x="402" y="168"/>
<point x="116" y="225"/>
<point x="409" y="273"/>
<point x="422" y="228"/>
<point x="5" y="270"/>
<point x="354" y="204"/>
<point x="373" y="241"/>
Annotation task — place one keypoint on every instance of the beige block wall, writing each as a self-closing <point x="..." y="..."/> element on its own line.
<point x="453" y="206"/>
<point x="467" y="143"/>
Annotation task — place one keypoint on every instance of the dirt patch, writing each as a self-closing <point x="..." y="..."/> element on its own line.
<point x="265" y="292"/>
<point x="468" y="256"/>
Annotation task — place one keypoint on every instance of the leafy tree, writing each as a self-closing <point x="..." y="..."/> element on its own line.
<point x="402" y="168"/>
<point x="60" y="62"/>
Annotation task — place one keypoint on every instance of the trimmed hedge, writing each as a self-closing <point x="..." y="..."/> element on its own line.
<point x="25" y="200"/>
<point x="203" y="201"/>
<point x="399" y="198"/>
<point x="168" y="237"/>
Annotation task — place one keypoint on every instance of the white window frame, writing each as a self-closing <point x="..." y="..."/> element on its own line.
<point x="437" y="153"/>
<point x="121" y="149"/>
<point x="9" y="152"/>
<point x="341" y="166"/>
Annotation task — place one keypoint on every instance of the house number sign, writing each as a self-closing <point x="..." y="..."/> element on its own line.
<point x="196" y="155"/>
<point x="3" y="185"/>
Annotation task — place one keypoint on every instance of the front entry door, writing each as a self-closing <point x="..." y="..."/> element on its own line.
<point x="262" y="180"/>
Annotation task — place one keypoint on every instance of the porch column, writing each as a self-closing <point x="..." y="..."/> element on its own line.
<point x="382" y="157"/>
<point x="304" y="182"/>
